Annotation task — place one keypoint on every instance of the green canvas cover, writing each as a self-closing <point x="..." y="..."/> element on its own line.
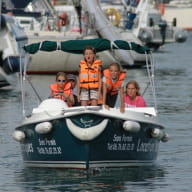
<point x="77" y="46"/>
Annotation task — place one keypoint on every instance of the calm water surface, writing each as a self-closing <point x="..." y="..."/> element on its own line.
<point x="173" y="169"/>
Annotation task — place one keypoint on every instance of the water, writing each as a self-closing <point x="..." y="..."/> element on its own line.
<point x="173" y="170"/>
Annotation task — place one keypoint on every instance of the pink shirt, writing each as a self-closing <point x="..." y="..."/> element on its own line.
<point x="138" y="102"/>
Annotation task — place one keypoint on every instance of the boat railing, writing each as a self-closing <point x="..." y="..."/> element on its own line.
<point x="146" y="110"/>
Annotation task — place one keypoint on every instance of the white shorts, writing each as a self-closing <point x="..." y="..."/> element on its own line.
<point x="88" y="94"/>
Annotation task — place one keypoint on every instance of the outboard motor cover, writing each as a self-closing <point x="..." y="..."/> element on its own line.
<point x="11" y="64"/>
<point x="145" y="36"/>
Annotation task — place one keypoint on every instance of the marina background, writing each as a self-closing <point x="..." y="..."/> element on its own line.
<point x="173" y="169"/>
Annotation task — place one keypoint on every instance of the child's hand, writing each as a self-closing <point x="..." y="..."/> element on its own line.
<point x="106" y="107"/>
<point x="100" y="96"/>
<point x="78" y="98"/>
<point x="122" y="109"/>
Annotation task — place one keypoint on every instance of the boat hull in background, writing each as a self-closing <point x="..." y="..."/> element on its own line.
<point x="53" y="62"/>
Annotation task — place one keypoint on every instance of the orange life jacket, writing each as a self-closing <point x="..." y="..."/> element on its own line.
<point x="67" y="90"/>
<point x="113" y="88"/>
<point x="89" y="76"/>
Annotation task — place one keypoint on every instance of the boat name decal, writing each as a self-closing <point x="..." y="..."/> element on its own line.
<point x="147" y="146"/>
<point x="122" y="138"/>
<point x="121" y="143"/>
<point x="27" y="148"/>
<point x="49" y="150"/>
<point x="126" y="143"/>
<point x="86" y="123"/>
<point x="120" y="146"/>
<point x="45" y="141"/>
<point x="48" y="147"/>
<point x="45" y="147"/>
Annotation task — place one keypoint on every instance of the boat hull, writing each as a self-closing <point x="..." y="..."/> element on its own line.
<point x="12" y="56"/>
<point x="113" y="147"/>
<point x="53" y="62"/>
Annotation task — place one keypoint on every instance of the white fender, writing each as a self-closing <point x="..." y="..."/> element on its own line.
<point x="19" y="135"/>
<point x="43" y="128"/>
<point x="131" y="126"/>
<point x="157" y="133"/>
<point x="165" y="137"/>
<point x="86" y="134"/>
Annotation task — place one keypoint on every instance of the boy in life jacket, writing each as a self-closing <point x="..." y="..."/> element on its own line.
<point x="62" y="89"/>
<point x="89" y="84"/>
<point x="113" y="79"/>
<point x="73" y="80"/>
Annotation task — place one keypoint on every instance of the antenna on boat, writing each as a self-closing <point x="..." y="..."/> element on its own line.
<point x="145" y="88"/>
<point x="78" y="8"/>
<point x="150" y="72"/>
<point x="22" y="88"/>
<point x="0" y="13"/>
<point x="33" y="88"/>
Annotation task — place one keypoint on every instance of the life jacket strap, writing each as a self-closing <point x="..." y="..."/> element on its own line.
<point x="89" y="82"/>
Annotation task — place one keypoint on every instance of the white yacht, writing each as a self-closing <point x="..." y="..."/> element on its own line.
<point x="145" y="20"/>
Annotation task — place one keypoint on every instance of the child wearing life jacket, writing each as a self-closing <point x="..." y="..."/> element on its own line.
<point x="73" y="80"/>
<point x="113" y="79"/>
<point x="62" y="89"/>
<point x="132" y="96"/>
<point x="89" y="84"/>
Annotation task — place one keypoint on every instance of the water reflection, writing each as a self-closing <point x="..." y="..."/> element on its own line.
<point x="36" y="179"/>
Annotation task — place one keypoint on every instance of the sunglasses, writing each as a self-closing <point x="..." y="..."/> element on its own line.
<point x="59" y="80"/>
